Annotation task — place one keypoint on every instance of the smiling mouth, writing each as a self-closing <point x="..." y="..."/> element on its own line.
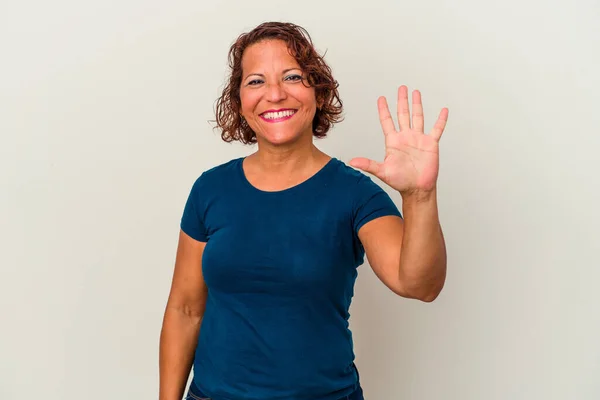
<point x="278" y="116"/>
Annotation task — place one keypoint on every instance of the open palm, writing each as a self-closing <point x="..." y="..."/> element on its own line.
<point x="411" y="160"/>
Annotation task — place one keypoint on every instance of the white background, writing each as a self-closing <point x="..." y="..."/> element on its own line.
<point x="104" y="110"/>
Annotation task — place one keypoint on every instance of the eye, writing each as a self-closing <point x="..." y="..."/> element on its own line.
<point x="293" y="78"/>
<point x="254" y="82"/>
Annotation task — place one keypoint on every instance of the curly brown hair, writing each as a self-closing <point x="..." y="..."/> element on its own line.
<point x="318" y="74"/>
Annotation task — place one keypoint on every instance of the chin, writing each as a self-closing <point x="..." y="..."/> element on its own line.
<point x="280" y="138"/>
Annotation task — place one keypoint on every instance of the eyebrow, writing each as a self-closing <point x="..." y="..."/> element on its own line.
<point x="262" y="76"/>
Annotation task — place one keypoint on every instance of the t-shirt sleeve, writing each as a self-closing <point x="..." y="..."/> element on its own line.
<point x="192" y="222"/>
<point x="371" y="202"/>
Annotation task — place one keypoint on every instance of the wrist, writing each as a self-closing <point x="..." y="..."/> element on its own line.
<point x="419" y="196"/>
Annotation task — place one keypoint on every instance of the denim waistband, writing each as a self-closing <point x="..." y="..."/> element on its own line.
<point x="195" y="394"/>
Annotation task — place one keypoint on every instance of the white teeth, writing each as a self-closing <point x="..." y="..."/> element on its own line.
<point x="280" y="114"/>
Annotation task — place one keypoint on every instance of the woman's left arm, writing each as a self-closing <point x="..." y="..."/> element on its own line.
<point x="409" y="254"/>
<point x="423" y="251"/>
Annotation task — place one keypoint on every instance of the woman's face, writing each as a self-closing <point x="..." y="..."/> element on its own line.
<point x="274" y="101"/>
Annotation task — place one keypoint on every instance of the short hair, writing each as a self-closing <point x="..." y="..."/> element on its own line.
<point x="318" y="74"/>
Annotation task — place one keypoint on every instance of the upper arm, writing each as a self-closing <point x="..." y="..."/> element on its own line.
<point x="188" y="289"/>
<point x="382" y="241"/>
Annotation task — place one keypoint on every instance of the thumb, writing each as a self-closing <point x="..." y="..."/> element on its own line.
<point x="367" y="165"/>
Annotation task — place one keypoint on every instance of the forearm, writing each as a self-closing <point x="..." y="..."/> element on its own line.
<point x="423" y="257"/>
<point x="178" y="341"/>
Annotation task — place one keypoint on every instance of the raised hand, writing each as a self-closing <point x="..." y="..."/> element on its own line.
<point x="411" y="160"/>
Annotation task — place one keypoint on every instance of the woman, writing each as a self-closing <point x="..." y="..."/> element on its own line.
<point x="270" y="243"/>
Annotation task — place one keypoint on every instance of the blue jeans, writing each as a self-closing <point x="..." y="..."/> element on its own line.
<point x="195" y="394"/>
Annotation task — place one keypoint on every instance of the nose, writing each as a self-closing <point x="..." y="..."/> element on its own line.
<point x="275" y="92"/>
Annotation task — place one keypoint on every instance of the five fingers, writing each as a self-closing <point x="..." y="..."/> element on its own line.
<point x="404" y="117"/>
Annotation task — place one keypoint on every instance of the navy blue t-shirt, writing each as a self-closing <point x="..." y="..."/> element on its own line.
<point x="280" y="268"/>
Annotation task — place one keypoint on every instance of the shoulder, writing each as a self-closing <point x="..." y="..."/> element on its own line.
<point x="353" y="179"/>
<point x="346" y="172"/>
<point x="368" y="199"/>
<point x="217" y="173"/>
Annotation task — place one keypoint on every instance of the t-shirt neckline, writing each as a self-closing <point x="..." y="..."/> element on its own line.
<point x="307" y="182"/>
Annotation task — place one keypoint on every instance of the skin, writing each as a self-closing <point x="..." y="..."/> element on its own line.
<point x="286" y="156"/>
<point x="408" y="255"/>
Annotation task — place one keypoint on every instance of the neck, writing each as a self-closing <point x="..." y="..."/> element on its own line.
<point x="285" y="160"/>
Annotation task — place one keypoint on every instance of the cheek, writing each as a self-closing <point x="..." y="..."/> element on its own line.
<point x="248" y="102"/>
<point x="308" y="99"/>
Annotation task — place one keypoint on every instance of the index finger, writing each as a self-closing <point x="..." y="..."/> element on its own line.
<point x="385" y="118"/>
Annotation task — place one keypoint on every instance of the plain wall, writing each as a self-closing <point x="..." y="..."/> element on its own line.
<point x="104" y="110"/>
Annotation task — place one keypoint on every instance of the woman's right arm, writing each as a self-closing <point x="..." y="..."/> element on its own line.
<point x="182" y="319"/>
